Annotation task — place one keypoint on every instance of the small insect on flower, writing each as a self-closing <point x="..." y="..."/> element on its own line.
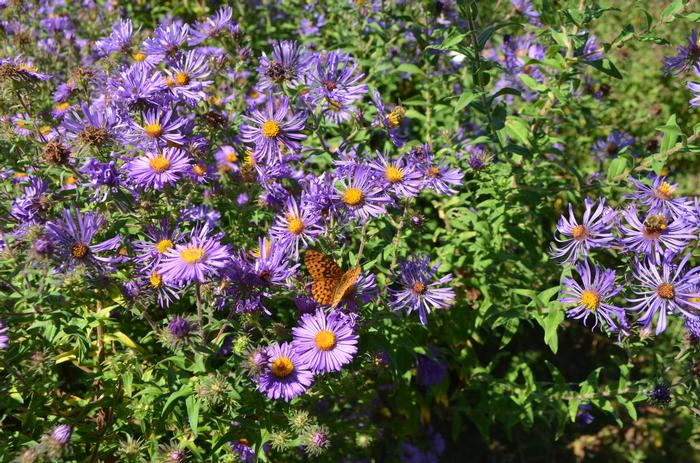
<point x="656" y="235"/>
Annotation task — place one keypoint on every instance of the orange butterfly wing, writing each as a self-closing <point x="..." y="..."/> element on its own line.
<point x="323" y="290"/>
<point x="321" y="267"/>
<point x="346" y="284"/>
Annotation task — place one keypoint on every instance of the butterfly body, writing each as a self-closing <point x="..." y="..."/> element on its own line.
<point x="330" y="284"/>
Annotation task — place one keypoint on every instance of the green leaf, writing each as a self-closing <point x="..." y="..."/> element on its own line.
<point x="671" y="133"/>
<point x="552" y="322"/>
<point x="672" y="9"/>
<point x="409" y="67"/>
<point x="518" y="129"/>
<point x="617" y="167"/>
<point x="464" y="100"/>
<point x="606" y="66"/>
<point x="185" y="390"/>
<point x="193" y="405"/>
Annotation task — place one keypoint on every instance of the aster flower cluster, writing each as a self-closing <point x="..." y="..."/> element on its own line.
<point x="654" y="233"/>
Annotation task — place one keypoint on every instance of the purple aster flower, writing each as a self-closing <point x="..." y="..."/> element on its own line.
<point x="156" y="170"/>
<point x="201" y="172"/>
<point x="20" y="70"/>
<point x="584" y="416"/>
<point x="168" y="40"/>
<point x="186" y="79"/>
<point x="593" y="296"/>
<point x="270" y="264"/>
<point x="4" y="337"/>
<point x="334" y="79"/>
<point x="96" y="126"/>
<point x="159" y="127"/>
<point x="656" y="235"/>
<point x="244" y="452"/>
<point x="360" y="196"/>
<point x="590" y="51"/>
<point x="286" y="65"/>
<point x="325" y="342"/>
<point x="411" y="454"/>
<point x="61" y="434"/>
<point x="431" y="370"/>
<point x="695" y="88"/>
<point x="398" y="177"/>
<point x="441" y="178"/>
<point x="418" y="291"/>
<point x="686" y="56"/>
<point x="286" y="376"/>
<point x="227" y="159"/>
<point x="295" y="225"/>
<point x="593" y="232"/>
<point x="478" y="158"/>
<point x="120" y="40"/>
<point x="389" y="120"/>
<point x="195" y="261"/>
<point x="103" y="176"/>
<point x="255" y="361"/>
<point x="203" y="214"/>
<point x="664" y="290"/>
<point x="214" y="26"/>
<point x="362" y="292"/>
<point x="519" y="52"/>
<point x="316" y="440"/>
<point x="611" y="146"/>
<point x="308" y="27"/>
<point x="152" y="281"/>
<point x="660" y="394"/>
<point x="72" y="238"/>
<point x="158" y="241"/>
<point x="138" y="87"/>
<point x="268" y="129"/>
<point x="30" y="208"/>
<point x="659" y="198"/>
<point x="527" y="9"/>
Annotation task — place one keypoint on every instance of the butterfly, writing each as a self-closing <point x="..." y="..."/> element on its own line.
<point x="330" y="283"/>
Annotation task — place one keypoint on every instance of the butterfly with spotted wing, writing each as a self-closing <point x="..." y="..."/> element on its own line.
<point x="330" y="284"/>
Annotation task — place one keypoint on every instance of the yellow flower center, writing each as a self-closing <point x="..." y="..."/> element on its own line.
<point x="164" y="245"/>
<point x="694" y="299"/>
<point x="231" y="157"/>
<point x="295" y="225"/>
<point x="579" y="232"/>
<point x="666" y="291"/>
<point x="20" y="174"/>
<point x="664" y="191"/>
<point x="282" y="367"/>
<point x="419" y="288"/>
<point x="181" y="78"/>
<point x="154" y="130"/>
<point x="393" y="174"/>
<point x="71" y="180"/>
<point x="140" y="57"/>
<point x="325" y="340"/>
<point x="62" y="106"/>
<point x="192" y="255"/>
<point x="270" y="128"/>
<point x="160" y="163"/>
<point x="199" y="169"/>
<point x="170" y="82"/>
<point x="353" y="196"/>
<point x="21" y="124"/>
<point x="45" y="129"/>
<point x="156" y="279"/>
<point x="590" y="300"/>
<point x="79" y="251"/>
